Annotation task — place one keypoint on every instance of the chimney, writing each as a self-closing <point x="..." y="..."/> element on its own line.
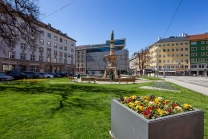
<point x="159" y="38"/>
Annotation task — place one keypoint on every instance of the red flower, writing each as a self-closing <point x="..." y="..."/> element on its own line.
<point x="169" y="110"/>
<point x="141" y="104"/>
<point x="147" y="114"/>
<point x="174" y="105"/>
<point x="150" y="108"/>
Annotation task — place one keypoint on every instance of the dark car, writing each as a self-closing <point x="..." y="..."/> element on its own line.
<point x="62" y="74"/>
<point x="32" y="74"/>
<point x="55" y="75"/>
<point x="18" y="75"/>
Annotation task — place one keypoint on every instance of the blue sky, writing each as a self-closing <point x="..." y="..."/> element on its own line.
<point x="141" y="22"/>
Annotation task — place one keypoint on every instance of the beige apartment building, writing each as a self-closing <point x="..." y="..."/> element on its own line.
<point x="170" y="56"/>
<point x="80" y="60"/>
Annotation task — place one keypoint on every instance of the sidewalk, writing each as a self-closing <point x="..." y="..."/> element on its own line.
<point x="193" y="87"/>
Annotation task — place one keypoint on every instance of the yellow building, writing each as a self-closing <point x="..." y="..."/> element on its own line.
<point x="170" y="56"/>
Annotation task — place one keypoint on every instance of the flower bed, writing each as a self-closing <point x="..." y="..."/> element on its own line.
<point x="150" y="117"/>
<point x="152" y="107"/>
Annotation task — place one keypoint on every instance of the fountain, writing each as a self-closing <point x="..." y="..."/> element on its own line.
<point x="112" y="58"/>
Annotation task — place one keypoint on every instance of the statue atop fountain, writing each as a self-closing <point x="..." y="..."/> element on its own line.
<point x="112" y="59"/>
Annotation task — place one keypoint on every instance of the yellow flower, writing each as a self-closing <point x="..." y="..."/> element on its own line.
<point x="131" y="104"/>
<point x="160" y="112"/>
<point x="134" y="97"/>
<point x="137" y="102"/>
<point x="166" y="101"/>
<point x="187" y="106"/>
<point x="141" y="108"/>
<point x="145" y="97"/>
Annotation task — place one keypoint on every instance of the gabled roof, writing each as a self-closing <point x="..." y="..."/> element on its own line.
<point x="173" y="39"/>
<point x="199" y="37"/>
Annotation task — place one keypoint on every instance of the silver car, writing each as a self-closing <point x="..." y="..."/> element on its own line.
<point x="4" y="77"/>
<point x="46" y="75"/>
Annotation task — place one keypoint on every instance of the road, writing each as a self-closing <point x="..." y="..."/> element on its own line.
<point x="198" y="84"/>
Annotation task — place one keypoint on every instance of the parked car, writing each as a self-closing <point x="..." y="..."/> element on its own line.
<point x="62" y="74"/>
<point x="55" y="75"/>
<point x="18" y="75"/>
<point x="33" y="74"/>
<point x="4" y="77"/>
<point x="46" y="75"/>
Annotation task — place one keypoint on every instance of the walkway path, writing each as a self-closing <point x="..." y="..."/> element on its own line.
<point x="197" y="84"/>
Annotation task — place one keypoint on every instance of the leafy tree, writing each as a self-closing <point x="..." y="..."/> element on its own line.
<point x="19" y="22"/>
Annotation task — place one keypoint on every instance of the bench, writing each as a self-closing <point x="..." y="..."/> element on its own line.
<point x="127" y="80"/>
<point x="88" y="79"/>
<point x="71" y="78"/>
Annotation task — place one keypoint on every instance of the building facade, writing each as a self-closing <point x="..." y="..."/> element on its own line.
<point x="199" y="54"/>
<point x="56" y="52"/>
<point x="94" y="60"/>
<point x="170" y="56"/>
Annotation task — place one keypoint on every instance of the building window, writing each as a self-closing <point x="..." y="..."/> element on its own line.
<point x="41" y="41"/>
<point x="186" y="43"/>
<point x="181" y="60"/>
<point x="193" y="48"/>
<point x="60" y="60"/>
<point x="193" y="66"/>
<point x="201" y="60"/>
<point x="201" y="66"/>
<point x="176" y="44"/>
<point x="181" y="43"/>
<point x="193" y="54"/>
<point x="55" y="45"/>
<point x="206" y="47"/>
<point x="207" y="53"/>
<point x="181" y="55"/>
<point x="55" y="38"/>
<point x="11" y="54"/>
<point x="206" y="42"/>
<point x="60" y="54"/>
<point x="40" y="49"/>
<point x="168" y="50"/>
<point x="11" y="45"/>
<point x="48" y="59"/>
<point x="65" y="48"/>
<point x="181" y="49"/>
<point x="22" y="56"/>
<point x="168" y="44"/>
<point x="172" y="50"/>
<point x="49" y="44"/>
<point x="186" y="49"/>
<point x="202" y="54"/>
<point x="49" y="35"/>
<point x="55" y="60"/>
<point x="168" y="61"/>
<point x="55" y="52"/>
<point x="193" y="43"/>
<point x="65" y="54"/>
<point x="186" y="54"/>
<point x="164" y="55"/>
<point x="41" y="58"/>
<point x="176" y="49"/>
<point x="65" y="61"/>
<point x="23" y="46"/>
<point x="60" y="39"/>
<point x="72" y="56"/>
<point x="41" y="32"/>
<point x="60" y="47"/>
<point x="48" y="51"/>
<point x="193" y="60"/>
<point x="172" y="55"/>
<point x="32" y="57"/>
<point x="207" y="59"/>
<point x="202" y="42"/>
<point x="65" y="41"/>
<point x="163" y="61"/>
<point x="159" y="61"/>
<point x="172" y="44"/>
<point x="72" y="44"/>
<point x="202" y="48"/>
<point x="72" y="50"/>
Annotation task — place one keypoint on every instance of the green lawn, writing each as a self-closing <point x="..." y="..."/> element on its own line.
<point x="150" y="78"/>
<point x="67" y="110"/>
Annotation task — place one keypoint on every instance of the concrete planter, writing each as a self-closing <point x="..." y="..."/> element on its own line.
<point x="128" y="124"/>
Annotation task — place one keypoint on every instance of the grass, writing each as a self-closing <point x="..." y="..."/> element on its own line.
<point x="150" y="78"/>
<point x="56" y="108"/>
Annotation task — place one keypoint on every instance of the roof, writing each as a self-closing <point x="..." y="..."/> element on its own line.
<point x="199" y="37"/>
<point x="173" y="39"/>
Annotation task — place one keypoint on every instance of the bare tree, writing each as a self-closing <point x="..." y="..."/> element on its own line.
<point x="19" y="22"/>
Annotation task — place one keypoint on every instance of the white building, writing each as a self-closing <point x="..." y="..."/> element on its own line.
<point x="56" y="52"/>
